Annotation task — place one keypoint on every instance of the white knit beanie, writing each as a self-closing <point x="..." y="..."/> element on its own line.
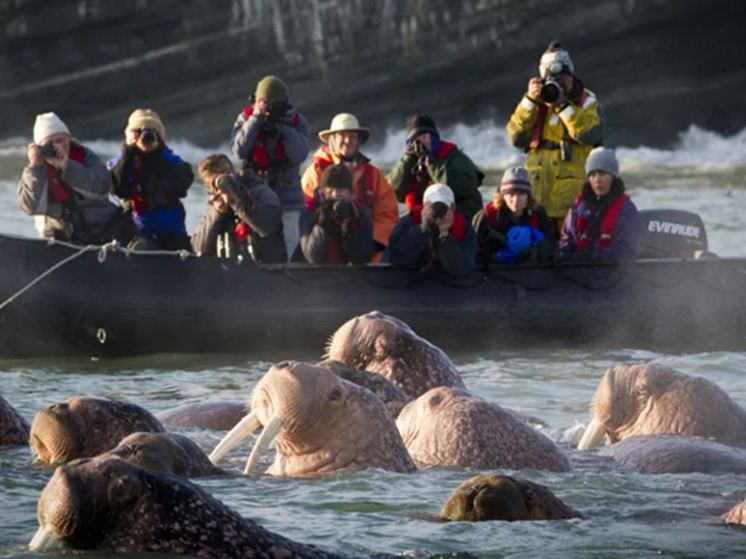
<point x="48" y="124"/>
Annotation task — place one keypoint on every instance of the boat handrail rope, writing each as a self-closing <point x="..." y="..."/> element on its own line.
<point x="102" y="251"/>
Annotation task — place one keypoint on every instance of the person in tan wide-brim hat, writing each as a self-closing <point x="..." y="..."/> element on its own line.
<point x="345" y="122"/>
<point x="342" y="141"/>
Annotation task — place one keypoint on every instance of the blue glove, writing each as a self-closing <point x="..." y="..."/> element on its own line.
<point x="506" y="256"/>
<point x="519" y="238"/>
<point x="536" y="236"/>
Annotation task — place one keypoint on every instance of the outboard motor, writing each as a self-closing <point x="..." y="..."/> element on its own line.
<point x="671" y="234"/>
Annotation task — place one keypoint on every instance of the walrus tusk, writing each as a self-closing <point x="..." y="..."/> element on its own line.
<point x="592" y="436"/>
<point x="240" y="431"/>
<point x="263" y="442"/>
<point x="45" y="540"/>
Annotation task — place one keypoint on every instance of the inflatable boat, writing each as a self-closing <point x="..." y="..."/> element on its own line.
<point x="60" y="299"/>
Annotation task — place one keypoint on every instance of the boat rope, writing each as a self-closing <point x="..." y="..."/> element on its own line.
<point x="101" y="257"/>
<point x="81" y="251"/>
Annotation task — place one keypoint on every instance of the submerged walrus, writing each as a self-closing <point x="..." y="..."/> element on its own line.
<point x="450" y="427"/>
<point x="674" y="454"/>
<point x="14" y="429"/>
<point x="385" y="345"/>
<point x="108" y="504"/>
<point x="651" y="399"/>
<point x="84" y="427"/>
<point x="498" y="497"/>
<point x="323" y="424"/>
<point x="393" y="397"/>
<point x="167" y="453"/>
<point x="218" y="416"/>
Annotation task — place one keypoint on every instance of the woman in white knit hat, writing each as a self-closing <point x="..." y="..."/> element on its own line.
<point x="342" y="141"/>
<point x="513" y="227"/>
<point x="65" y="186"/>
<point x="603" y="223"/>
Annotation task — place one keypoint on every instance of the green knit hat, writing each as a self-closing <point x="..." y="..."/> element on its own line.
<point x="271" y="87"/>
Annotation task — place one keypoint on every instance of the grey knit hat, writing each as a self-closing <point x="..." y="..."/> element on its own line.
<point x="602" y="159"/>
<point x="515" y="179"/>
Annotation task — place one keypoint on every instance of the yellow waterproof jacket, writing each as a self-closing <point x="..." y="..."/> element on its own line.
<point x="557" y="152"/>
<point x="369" y="186"/>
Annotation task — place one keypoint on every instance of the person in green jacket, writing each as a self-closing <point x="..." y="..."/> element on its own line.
<point x="429" y="160"/>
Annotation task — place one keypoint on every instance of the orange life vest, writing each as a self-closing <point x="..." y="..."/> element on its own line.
<point x="366" y="195"/>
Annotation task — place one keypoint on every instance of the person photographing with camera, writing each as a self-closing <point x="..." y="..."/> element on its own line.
<point x="428" y="160"/>
<point x="434" y="235"/>
<point x="243" y="215"/>
<point x="557" y="123"/>
<point x="151" y="179"/>
<point x="337" y="228"/>
<point x="65" y="186"/>
<point x="271" y="138"/>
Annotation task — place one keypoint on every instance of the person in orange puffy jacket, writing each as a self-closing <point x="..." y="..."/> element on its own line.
<point x="342" y="141"/>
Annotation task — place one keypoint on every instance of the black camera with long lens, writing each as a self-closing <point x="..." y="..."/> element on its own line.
<point x="440" y="209"/>
<point x="148" y="135"/>
<point x="47" y="150"/>
<point x="550" y="89"/>
<point x="342" y="209"/>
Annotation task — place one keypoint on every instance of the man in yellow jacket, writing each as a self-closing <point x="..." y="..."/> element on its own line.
<point x="557" y="122"/>
<point x="342" y="143"/>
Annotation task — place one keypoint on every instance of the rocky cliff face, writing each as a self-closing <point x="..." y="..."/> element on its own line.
<point x="657" y="66"/>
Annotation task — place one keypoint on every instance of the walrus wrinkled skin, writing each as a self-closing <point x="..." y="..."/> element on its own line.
<point x="393" y="397"/>
<point x="736" y="515"/>
<point x="674" y="454"/>
<point x="167" y="453"/>
<point x="85" y="427"/>
<point x="217" y="416"/>
<point x="498" y="497"/>
<point x="323" y="424"/>
<point x="14" y="429"/>
<point x="108" y="504"/>
<point x="637" y="400"/>
<point x="451" y="427"/>
<point x="385" y="345"/>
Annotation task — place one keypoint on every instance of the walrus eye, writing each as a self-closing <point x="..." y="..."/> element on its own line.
<point x="434" y="400"/>
<point x="124" y="490"/>
<point x="335" y="394"/>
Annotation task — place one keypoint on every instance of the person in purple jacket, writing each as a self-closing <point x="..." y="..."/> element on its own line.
<point x="603" y="223"/>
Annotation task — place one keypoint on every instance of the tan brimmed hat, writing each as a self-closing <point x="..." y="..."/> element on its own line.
<point x="345" y="122"/>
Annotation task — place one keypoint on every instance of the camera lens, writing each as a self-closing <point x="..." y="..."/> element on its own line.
<point x="550" y="91"/>
<point x="48" y="150"/>
<point x="439" y="209"/>
<point x="148" y="136"/>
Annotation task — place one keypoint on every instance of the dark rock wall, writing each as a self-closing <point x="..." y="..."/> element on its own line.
<point x="657" y="65"/>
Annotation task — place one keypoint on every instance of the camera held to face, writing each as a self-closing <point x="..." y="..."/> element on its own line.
<point x="148" y="135"/>
<point x="551" y="89"/>
<point x="47" y="150"/>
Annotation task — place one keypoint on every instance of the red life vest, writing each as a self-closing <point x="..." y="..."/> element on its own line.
<point x="58" y="189"/>
<point x="608" y="224"/>
<point x="458" y="229"/>
<point x="491" y="213"/>
<point x="366" y="195"/>
<point x="260" y="156"/>
<point x="414" y="196"/>
<point x="539" y="126"/>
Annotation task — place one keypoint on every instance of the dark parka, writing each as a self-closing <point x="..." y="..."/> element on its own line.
<point x="252" y="203"/>
<point x="315" y="240"/>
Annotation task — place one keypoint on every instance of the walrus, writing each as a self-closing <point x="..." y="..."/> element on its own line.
<point x="636" y="400"/>
<point x="500" y="497"/>
<point x="388" y="346"/>
<point x="108" y="504"/>
<point x="14" y="429"/>
<point x="452" y="427"/>
<point x="323" y="424"/>
<point x="217" y="416"/>
<point x="167" y="453"/>
<point x="84" y="427"/>
<point x="393" y="397"/>
<point x="674" y="454"/>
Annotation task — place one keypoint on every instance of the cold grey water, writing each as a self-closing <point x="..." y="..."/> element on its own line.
<point x="627" y="514"/>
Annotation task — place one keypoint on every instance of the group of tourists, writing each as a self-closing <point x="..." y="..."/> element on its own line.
<point x="567" y="202"/>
